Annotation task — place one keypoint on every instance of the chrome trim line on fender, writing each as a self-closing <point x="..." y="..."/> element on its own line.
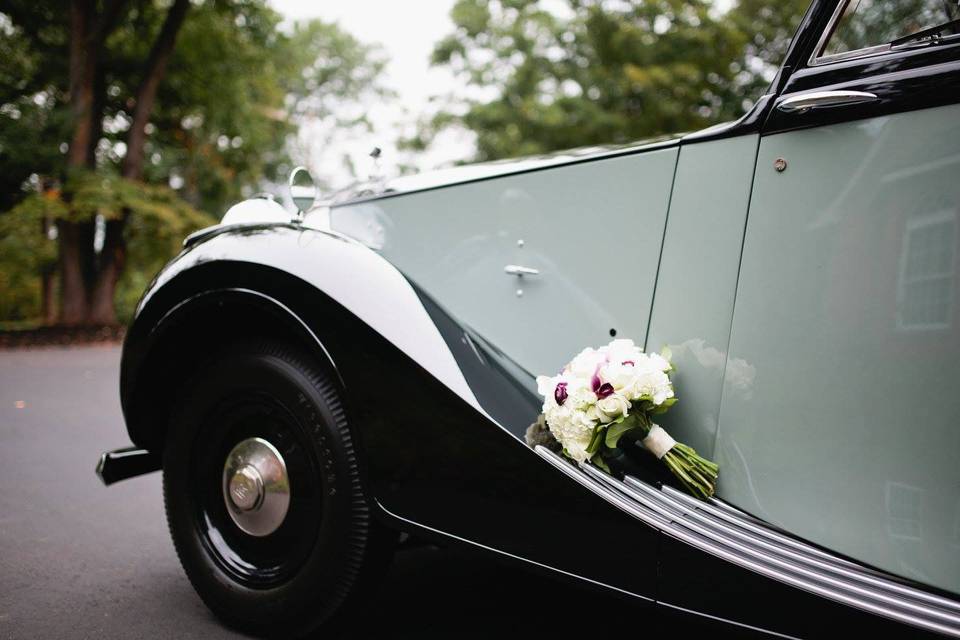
<point x="746" y="542"/>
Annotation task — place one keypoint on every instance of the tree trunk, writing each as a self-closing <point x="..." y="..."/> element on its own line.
<point x="147" y="91"/>
<point x="75" y="239"/>
<point x="48" y="297"/>
<point x="76" y="249"/>
<point x="113" y="255"/>
<point x="87" y="284"/>
<point x="110" y="267"/>
<point x="83" y="70"/>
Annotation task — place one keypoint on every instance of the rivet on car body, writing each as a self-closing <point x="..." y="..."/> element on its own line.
<point x="520" y="243"/>
<point x="780" y="165"/>
<point x="519" y="293"/>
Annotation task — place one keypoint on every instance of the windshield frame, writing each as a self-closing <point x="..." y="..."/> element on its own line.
<point x="818" y="59"/>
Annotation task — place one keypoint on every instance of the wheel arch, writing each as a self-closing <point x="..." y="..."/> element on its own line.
<point x="159" y="359"/>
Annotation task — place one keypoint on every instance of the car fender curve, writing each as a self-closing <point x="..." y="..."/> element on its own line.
<point x="439" y="413"/>
<point x="357" y="278"/>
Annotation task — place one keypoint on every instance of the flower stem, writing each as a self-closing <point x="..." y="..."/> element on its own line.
<point x="697" y="474"/>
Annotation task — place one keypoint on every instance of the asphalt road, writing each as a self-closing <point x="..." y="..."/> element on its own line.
<point x="79" y="560"/>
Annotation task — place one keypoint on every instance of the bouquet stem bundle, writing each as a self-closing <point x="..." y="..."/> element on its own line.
<point x="697" y="474"/>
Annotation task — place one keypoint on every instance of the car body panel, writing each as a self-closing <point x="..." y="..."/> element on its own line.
<point x="693" y="304"/>
<point x="846" y="314"/>
<point x="455" y="243"/>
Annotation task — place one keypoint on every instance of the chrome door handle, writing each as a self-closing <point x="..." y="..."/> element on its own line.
<point x="517" y="270"/>
<point x="824" y="99"/>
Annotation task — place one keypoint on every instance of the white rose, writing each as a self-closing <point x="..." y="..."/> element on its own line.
<point x="620" y="376"/>
<point x="613" y="406"/>
<point x="659" y="362"/>
<point x="653" y="384"/>
<point x="662" y="393"/>
<point x="585" y="364"/>
<point x="580" y="393"/>
<point x="622" y="350"/>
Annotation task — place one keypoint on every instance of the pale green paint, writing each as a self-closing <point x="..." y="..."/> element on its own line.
<point x="693" y="303"/>
<point x="848" y="432"/>
<point x="593" y="230"/>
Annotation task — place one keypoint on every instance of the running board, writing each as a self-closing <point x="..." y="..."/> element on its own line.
<point x="728" y="533"/>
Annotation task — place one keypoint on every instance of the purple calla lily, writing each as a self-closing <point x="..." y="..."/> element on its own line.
<point x="602" y="389"/>
<point x="560" y="393"/>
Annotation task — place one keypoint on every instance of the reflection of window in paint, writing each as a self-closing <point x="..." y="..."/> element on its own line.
<point x="904" y="511"/>
<point x="926" y="284"/>
<point x="956" y="526"/>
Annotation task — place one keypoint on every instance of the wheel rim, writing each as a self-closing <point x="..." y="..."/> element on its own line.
<point x="257" y="490"/>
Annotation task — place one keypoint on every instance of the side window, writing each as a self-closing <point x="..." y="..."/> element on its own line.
<point x="866" y="24"/>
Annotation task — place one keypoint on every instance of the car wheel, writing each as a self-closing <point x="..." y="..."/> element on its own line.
<point x="263" y="494"/>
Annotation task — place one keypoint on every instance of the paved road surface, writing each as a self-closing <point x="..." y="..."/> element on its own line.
<point x="78" y="560"/>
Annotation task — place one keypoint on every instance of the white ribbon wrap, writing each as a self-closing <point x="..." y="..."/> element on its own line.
<point x="658" y="441"/>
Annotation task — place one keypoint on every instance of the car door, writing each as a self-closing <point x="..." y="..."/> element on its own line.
<point x="845" y="432"/>
<point x="586" y="235"/>
<point x="540" y="264"/>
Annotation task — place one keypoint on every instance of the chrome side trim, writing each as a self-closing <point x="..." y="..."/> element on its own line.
<point x="804" y="102"/>
<point x="727" y="533"/>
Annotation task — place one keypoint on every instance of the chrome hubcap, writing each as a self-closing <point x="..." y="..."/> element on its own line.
<point x="256" y="489"/>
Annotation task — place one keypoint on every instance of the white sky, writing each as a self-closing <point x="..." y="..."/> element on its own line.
<point x="407" y="32"/>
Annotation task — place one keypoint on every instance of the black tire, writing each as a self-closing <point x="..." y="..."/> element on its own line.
<point x="311" y="571"/>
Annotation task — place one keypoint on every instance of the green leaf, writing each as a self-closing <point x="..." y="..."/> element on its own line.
<point x="663" y="406"/>
<point x="616" y="431"/>
<point x="598" y="461"/>
<point x="596" y="439"/>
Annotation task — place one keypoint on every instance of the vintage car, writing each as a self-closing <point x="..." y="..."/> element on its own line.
<point x="313" y="384"/>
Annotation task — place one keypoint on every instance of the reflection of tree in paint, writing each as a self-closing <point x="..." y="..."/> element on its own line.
<point x="739" y="375"/>
<point x="869" y="23"/>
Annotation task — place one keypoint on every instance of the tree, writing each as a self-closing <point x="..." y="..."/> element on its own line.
<point x="597" y="72"/>
<point x="198" y="97"/>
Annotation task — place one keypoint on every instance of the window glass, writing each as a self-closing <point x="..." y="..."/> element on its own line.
<point x="868" y="23"/>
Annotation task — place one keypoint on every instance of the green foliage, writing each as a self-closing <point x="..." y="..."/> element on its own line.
<point x="872" y="22"/>
<point x="158" y="220"/>
<point x="601" y="72"/>
<point x="25" y="253"/>
<point x="236" y="88"/>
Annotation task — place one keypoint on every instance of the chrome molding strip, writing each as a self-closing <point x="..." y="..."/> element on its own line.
<point x="727" y="533"/>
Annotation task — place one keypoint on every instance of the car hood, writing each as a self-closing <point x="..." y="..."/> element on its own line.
<point x="485" y="170"/>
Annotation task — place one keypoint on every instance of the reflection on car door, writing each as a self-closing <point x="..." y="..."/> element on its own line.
<point x="846" y="311"/>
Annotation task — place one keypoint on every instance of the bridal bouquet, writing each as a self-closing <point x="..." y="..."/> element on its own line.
<point x="612" y="392"/>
